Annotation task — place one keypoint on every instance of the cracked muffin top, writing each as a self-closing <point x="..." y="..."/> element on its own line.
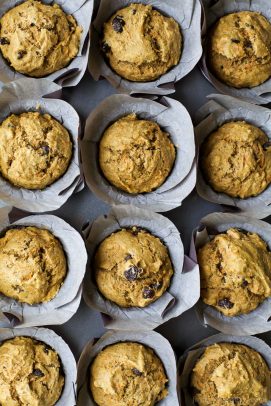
<point x="236" y="160"/>
<point x="32" y="265"/>
<point x="231" y="374"/>
<point x="140" y="43"/>
<point x="38" y="39"/>
<point x="235" y="271"/>
<point x="239" y="49"/>
<point x="30" y="373"/>
<point x="135" y="155"/>
<point x="132" y="267"/>
<point x="35" y="150"/>
<point x="127" y="374"/>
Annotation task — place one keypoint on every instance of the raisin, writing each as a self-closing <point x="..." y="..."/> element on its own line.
<point x="32" y="25"/>
<point x="225" y="303"/>
<point x="266" y="145"/>
<point x="132" y="273"/>
<point x="235" y="400"/>
<point x="45" y="149"/>
<point x="156" y="285"/>
<point x="148" y="293"/>
<point x="236" y="41"/>
<point x="247" y="43"/>
<point x="4" y="41"/>
<point x="118" y="23"/>
<point x="134" y="11"/>
<point x="136" y="372"/>
<point x="244" y="284"/>
<point x="105" y="48"/>
<point x="128" y="256"/>
<point x="21" y="54"/>
<point x="38" y="372"/>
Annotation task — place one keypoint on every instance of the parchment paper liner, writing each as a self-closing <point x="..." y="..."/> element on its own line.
<point x="218" y="110"/>
<point x="152" y="339"/>
<point x="183" y="292"/>
<point x="64" y="305"/>
<point x="174" y="119"/>
<point x="188" y="360"/>
<point x="68" y="397"/>
<point x="186" y="12"/>
<point x="259" y="94"/>
<point x="73" y="73"/>
<point x="255" y="322"/>
<point x="27" y="95"/>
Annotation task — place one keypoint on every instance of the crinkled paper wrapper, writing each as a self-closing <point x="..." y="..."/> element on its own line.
<point x="49" y="337"/>
<point x="173" y="118"/>
<point x="217" y="111"/>
<point x="159" y="344"/>
<point x="190" y="357"/>
<point x="29" y="95"/>
<point x="183" y="292"/>
<point x="259" y="94"/>
<point x="64" y="305"/>
<point x="71" y="75"/>
<point x="255" y="322"/>
<point x="186" y="12"/>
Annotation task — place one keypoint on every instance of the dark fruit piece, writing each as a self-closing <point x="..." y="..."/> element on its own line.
<point x="105" y="48"/>
<point x="244" y="284"/>
<point x="148" y="293"/>
<point x="38" y="372"/>
<point x="4" y="41"/>
<point x="236" y="41"/>
<point x="118" y="23"/>
<point x="45" y="149"/>
<point x="21" y="54"/>
<point x="156" y="285"/>
<point x="225" y="303"/>
<point x="128" y="256"/>
<point x="136" y="372"/>
<point x="132" y="273"/>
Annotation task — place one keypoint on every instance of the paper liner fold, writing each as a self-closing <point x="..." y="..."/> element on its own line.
<point x="151" y="339"/>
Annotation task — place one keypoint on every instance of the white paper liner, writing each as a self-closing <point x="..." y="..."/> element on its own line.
<point x="259" y="94"/>
<point x="64" y="305"/>
<point x="158" y="343"/>
<point x="255" y="322"/>
<point x="217" y="111"/>
<point x="188" y="360"/>
<point x="26" y="95"/>
<point x="186" y="12"/>
<point x="49" y="337"/>
<point x="73" y="73"/>
<point x="174" y="119"/>
<point x="183" y="292"/>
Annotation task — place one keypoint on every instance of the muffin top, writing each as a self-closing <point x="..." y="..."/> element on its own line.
<point x="127" y="374"/>
<point x="35" y="150"/>
<point x="235" y="269"/>
<point x="231" y="374"/>
<point x="236" y="160"/>
<point x="239" y="49"/>
<point x="30" y="373"/>
<point x="140" y="43"/>
<point x="36" y="265"/>
<point x="135" y="155"/>
<point x="132" y="268"/>
<point x="38" y="39"/>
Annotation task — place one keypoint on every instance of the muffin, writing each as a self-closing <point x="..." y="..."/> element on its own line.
<point x="239" y="49"/>
<point x="32" y="265"/>
<point x="236" y="160"/>
<point x="231" y="374"/>
<point x="135" y="155"/>
<point x="127" y="374"/>
<point x="140" y="43"/>
<point x="235" y="269"/>
<point x="132" y="268"/>
<point x="38" y="39"/>
<point x="35" y="150"/>
<point x="30" y="373"/>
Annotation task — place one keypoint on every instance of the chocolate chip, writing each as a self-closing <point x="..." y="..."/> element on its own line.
<point x="32" y="25"/>
<point x="132" y="273"/>
<point x="235" y="400"/>
<point x="148" y="293"/>
<point x="4" y="41"/>
<point x="244" y="284"/>
<point x="236" y="41"/>
<point x="134" y="11"/>
<point x="38" y="372"/>
<point x="247" y="43"/>
<point x="21" y="54"/>
<point x="118" y="23"/>
<point x="105" y="48"/>
<point x="137" y="372"/>
<point x="225" y="303"/>
<point x="128" y="256"/>
<point x="45" y="149"/>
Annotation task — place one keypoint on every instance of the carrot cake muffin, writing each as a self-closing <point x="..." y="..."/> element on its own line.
<point x="127" y="374"/>
<point x="37" y="39"/>
<point x="132" y="268"/>
<point x="235" y="269"/>
<point x="236" y="160"/>
<point x="239" y="49"/>
<point x="140" y="43"/>
<point x="135" y="155"/>
<point x="231" y="374"/>
<point x="35" y="150"/>
<point x="32" y="265"/>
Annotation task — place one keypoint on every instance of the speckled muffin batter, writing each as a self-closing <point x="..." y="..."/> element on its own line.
<point x="235" y="270"/>
<point x="140" y="43"/>
<point x="239" y="50"/>
<point x="132" y="268"/>
<point x="32" y="265"/>
<point x="135" y="155"/>
<point x="127" y="374"/>
<point x="231" y="374"/>
<point x="30" y="373"/>
<point x="35" y="150"/>
<point x="38" y="39"/>
<point x="236" y="160"/>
